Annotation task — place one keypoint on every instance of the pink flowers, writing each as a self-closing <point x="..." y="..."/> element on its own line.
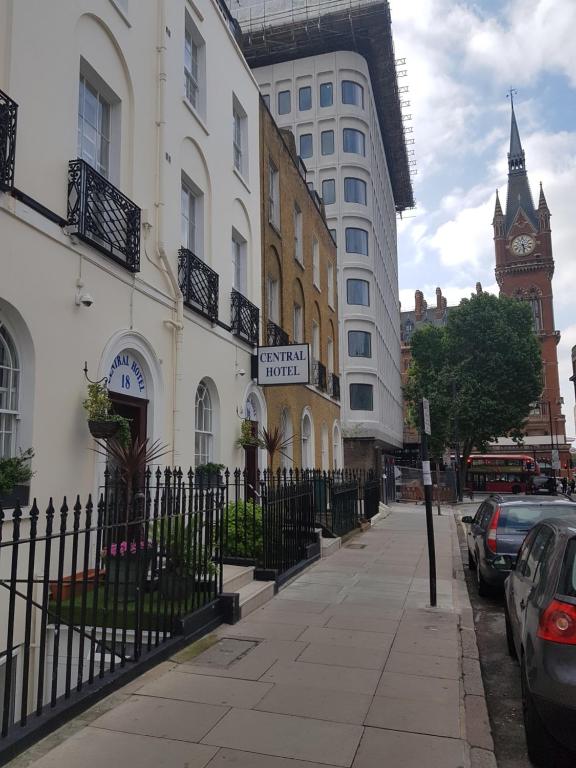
<point x="124" y="548"/>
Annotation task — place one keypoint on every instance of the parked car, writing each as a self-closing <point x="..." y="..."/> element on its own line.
<point x="498" y="529"/>
<point x="540" y="610"/>
<point x="542" y="484"/>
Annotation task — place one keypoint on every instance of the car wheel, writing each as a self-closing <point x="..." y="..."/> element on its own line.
<point x="509" y="636"/>
<point x="483" y="587"/>
<point x="543" y="750"/>
<point x="471" y="563"/>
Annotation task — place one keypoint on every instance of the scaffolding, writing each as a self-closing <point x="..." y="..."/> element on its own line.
<point x="282" y="30"/>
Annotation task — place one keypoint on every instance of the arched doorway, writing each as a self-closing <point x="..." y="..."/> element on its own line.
<point x="325" y="448"/>
<point x="336" y="447"/>
<point x="307" y="441"/>
<point x="128" y="389"/>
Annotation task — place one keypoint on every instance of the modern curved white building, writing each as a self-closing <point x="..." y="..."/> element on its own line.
<point x="344" y="110"/>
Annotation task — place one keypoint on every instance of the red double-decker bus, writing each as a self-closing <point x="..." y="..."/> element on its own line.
<point x="503" y="473"/>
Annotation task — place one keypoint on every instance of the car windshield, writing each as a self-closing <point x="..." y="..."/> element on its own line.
<point x="519" y="518"/>
<point x="568" y="578"/>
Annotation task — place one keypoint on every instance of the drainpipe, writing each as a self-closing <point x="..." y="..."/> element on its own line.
<point x="176" y="324"/>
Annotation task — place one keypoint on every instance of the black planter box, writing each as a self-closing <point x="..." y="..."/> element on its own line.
<point x="20" y="495"/>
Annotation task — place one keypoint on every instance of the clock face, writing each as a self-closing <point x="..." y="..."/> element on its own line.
<point x="523" y="244"/>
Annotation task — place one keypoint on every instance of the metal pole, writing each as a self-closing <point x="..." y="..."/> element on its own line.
<point x="427" y="480"/>
<point x="552" y="449"/>
<point x="456" y="446"/>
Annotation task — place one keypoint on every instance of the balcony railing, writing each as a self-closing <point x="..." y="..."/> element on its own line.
<point x="245" y="318"/>
<point x="102" y="216"/>
<point x="334" y="386"/>
<point x="8" y="116"/>
<point x="319" y="375"/>
<point x="276" y="336"/>
<point x="199" y="284"/>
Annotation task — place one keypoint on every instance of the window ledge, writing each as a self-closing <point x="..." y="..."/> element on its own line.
<point x="275" y="227"/>
<point x="241" y="179"/>
<point x="194" y="112"/>
<point x="122" y="12"/>
<point x="300" y="263"/>
<point x="318" y="288"/>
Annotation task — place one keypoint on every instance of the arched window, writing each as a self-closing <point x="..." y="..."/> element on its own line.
<point x="336" y="447"/>
<point x="534" y="297"/>
<point x="307" y="442"/>
<point x="204" y="439"/>
<point x="286" y="430"/>
<point x="9" y="393"/>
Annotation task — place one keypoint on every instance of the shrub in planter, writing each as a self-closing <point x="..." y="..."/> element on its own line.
<point x="187" y="564"/>
<point x="15" y="471"/>
<point x="102" y="422"/>
<point x="243" y="530"/>
<point x="209" y="474"/>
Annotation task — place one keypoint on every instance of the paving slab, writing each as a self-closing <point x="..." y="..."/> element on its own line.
<point x="162" y="718"/>
<point x="263" y="630"/>
<point x="233" y="758"/>
<point x="287" y="736"/>
<point x="402" y="686"/>
<point x="319" y="703"/>
<point x="398" y="749"/>
<point x="252" y="665"/>
<point x="437" y="718"/>
<point x="94" y="748"/>
<point x="356" y="638"/>
<point x="206" y="690"/>
<point x="346" y="655"/>
<point x="334" y="678"/>
<point x="423" y="665"/>
<point x="385" y="626"/>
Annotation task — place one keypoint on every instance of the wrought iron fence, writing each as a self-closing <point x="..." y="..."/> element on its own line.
<point x="245" y="318"/>
<point x="102" y="216"/>
<point x="8" y="120"/>
<point x="319" y="375"/>
<point x="88" y="590"/>
<point x="276" y="336"/>
<point x="199" y="284"/>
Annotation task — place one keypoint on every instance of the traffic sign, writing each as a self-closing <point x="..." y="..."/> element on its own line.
<point x="426" y="416"/>
<point x="555" y="459"/>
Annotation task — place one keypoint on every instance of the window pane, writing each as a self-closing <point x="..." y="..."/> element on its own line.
<point x="333" y="233"/>
<point x="266" y="98"/>
<point x="354" y="141"/>
<point x="356" y="241"/>
<point x="361" y="397"/>
<point x="326" y="95"/>
<point x="328" y="191"/>
<point x="306" y="145"/>
<point x="359" y="344"/>
<point x="355" y="191"/>
<point x="305" y="98"/>
<point x="327" y="141"/>
<point x="358" y="292"/>
<point x="352" y="93"/>
<point x="284" y="105"/>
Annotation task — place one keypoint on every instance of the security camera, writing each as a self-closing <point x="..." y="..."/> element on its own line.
<point x="240" y="372"/>
<point x="85" y="299"/>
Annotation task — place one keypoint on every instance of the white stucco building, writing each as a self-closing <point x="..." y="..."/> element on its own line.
<point x="332" y="81"/>
<point x="159" y="105"/>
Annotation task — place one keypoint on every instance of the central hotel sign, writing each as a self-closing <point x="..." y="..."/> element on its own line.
<point x="289" y="364"/>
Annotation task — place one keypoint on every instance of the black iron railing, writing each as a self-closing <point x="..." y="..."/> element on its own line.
<point x="8" y="119"/>
<point x="276" y="336"/>
<point x="319" y="375"/>
<point x="334" y="383"/>
<point x="198" y="283"/>
<point x="245" y="318"/>
<point x="102" y="216"/>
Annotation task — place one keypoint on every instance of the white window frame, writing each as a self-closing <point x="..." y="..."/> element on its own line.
<point x="239" y="262"/>
<point x="298" y="234"/>
<point x="240" y="138"/>
<point x="315" y="340"/>
<point x="297" y="323"/>
<point x="272" y="295"/>
<point x="194" y="239"/>
<point x="273" y="195"/>
<point x="330" y="355"/>
<point x="204" y="432"/>
<point x="330" y="278"/>
<point x="10" y="387"/>
<point x="101" y="159"/>
<point x="194" y="67"/>
<point x="316" y="263"/>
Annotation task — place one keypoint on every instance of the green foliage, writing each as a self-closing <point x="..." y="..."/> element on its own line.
<point x="247" y="438"/>
<point x="98" y="406"/>
<point x="210" y="468"/>
<point x="243" y="534"/>
<point x="15" y="471"/>
<point x="184" y="556"/>
<point x="482" y="370"/>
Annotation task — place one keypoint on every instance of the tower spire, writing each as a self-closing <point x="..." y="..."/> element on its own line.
<point x="516" y="157"/>
<point x="519" y="195"/>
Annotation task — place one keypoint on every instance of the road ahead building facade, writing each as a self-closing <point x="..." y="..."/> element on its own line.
<point x="130" y="230"/>
<point x="332" y="80"/>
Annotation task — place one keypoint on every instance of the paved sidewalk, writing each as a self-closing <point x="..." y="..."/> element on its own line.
<point x="347" y="666"/>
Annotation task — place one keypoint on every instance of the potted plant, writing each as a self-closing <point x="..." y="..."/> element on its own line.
<point x="127" y="564"/>
<point x="15" y="474"/>
<point x="209" y="474"/>
<point x="247" y="437"/>
<point x="188" y="567"/>
<point x="102" y="422"/>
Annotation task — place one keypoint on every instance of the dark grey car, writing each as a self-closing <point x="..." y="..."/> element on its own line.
<point x="498" y="529"/>
<point x="541" y="632"/>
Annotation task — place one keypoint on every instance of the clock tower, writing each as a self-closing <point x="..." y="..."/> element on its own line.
<point x="524" y="270"/>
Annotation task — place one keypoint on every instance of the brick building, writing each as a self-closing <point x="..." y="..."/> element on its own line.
<point x="524" y="269"/>
<point x="299" y="300"/>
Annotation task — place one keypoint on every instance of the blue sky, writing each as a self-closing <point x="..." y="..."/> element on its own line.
<point x="462" y="57"/>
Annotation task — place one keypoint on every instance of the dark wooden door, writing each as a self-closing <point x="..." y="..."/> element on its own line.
<point x="135" y="409"/>
<point x="252" y="465"/>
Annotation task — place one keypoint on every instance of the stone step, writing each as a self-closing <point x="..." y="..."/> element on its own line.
<point x="329" y="546"/>
<point x="254" y="595"/>
<point x="237" y="576"/>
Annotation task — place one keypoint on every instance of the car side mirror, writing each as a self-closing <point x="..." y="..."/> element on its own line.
<point x="468" y="519"/>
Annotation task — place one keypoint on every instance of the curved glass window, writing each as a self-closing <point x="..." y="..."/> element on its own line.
<point x="354" y="141"/>
<point x="359" y="344"/>
<point x="327" y="142"/>
<point x="361" y="397"/>
<point x="305" y="98"/>
<point x="204" y="437"/>
<point x="328" y="191"/>
<point x="358" y="292"/>
<point x="355" y="191"/>
<point x="356" y="241"/>
<point x="352" y="93"/>
<point x="9" y="389"/>
<point x="306" y="147"/>
<point x="284" y="103"/>
<point x="326" y="94"/>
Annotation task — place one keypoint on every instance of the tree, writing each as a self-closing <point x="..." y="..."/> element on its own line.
<point x="482" y="369"/>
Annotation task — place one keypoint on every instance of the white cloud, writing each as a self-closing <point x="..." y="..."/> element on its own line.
<point x="465" y="239"/>
<point x="567" y="341"/>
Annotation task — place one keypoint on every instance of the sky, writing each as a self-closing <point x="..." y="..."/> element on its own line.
<point x="462" y="57"/>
